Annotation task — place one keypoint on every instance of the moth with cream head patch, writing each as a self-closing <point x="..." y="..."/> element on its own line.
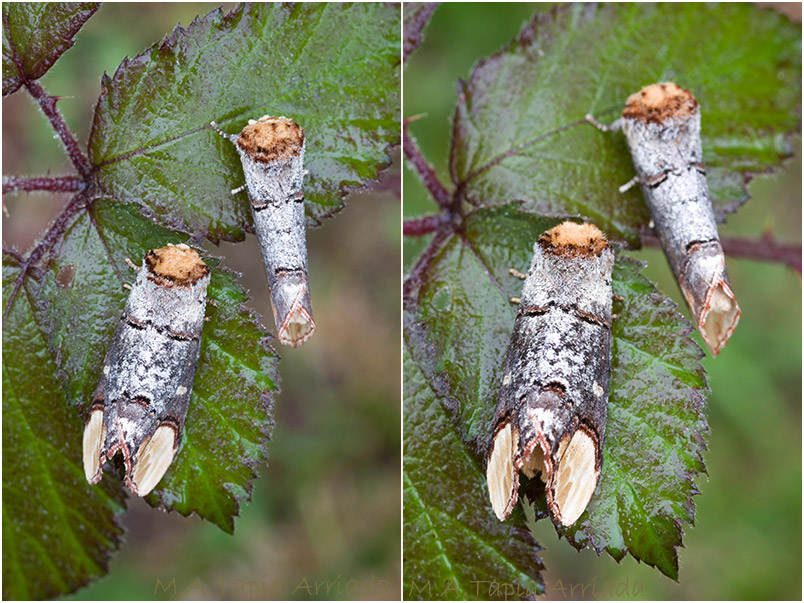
<point x="272" y="152"/>
<point x="141" y="401"/>
<point x="662" y="123"/>
<point x="552" y="407"/>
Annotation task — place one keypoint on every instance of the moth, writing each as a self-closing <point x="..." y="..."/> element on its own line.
<point x="551" y="411"/>
<point x="141" y="401"/>
<point x="272" y="153"/>
<point x="662" y="124"/>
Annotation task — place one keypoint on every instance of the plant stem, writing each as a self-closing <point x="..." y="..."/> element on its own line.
<point x="765" y="249"/>
<point x="417" y="227"/>
<point x="56" y="184"/>
<point x="52" y="236"/>
<point x="426" y="173"/>
<point x="48" y="105"/>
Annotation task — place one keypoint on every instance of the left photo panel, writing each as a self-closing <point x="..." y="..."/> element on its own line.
<point x="201" y="284"/>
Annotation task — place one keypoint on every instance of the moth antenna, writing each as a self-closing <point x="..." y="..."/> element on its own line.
<point x="628" y="185"/>
<point x="216" y="127"/>
<point x="615" y="125"/>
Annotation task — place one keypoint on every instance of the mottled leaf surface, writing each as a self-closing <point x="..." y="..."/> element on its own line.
<point x="36" y="34"/>
<point x="458" y="324"/>
<point x="58" y="531"/>
<point x="654" y="432"/>
<point x="333" y="68"/>
<point x="519" y="133"/>
<point x="229" y="421"/>
<point x="452" y="550"/>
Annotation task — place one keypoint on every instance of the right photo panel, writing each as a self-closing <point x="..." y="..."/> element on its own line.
<point x="602" y="301"/>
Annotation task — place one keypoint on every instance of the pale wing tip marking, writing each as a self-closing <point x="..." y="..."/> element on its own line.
<point x="154" y="460"/>
<point x="719" y="317"/>
<point x="501" y="477"/>
<point x="575" y="479"/>
<point x="94" y="434"/>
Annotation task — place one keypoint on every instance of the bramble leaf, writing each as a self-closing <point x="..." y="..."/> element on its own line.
<point x="452" y="550"/>
<point x="458" y="322"/>
<point x="416" y="17"/>
<point x="334" y="68"/>
<point x="36" y="34"/>
<point x="53" y="520"/>
<point x="519" y="130"/>
<point x="229" y="421"/>
<point x="654" y="432"/>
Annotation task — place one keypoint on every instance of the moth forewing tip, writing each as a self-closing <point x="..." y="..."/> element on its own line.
<point x="575" y="478"/>
<point x="719" y="317"/>
<point x="502" y="478"/>
<point x="293" y="314"/>
<point x="153" y="460"/>
<point x="94" y="436"/>
<point x="297" y="328"/>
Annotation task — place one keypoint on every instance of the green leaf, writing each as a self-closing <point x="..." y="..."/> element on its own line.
<point x="519" y="129"/>
<point x="452" y="549"/>
<point x="334" y="68"/>
<point x="58" y="531"/>
<point x="457" y="327"/>
<point x="229" y="421"/>
<point x="36" y="34"/>
<point x="654" y="431"/>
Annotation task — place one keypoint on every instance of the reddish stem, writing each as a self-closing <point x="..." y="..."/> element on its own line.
<point x="426" y="173"/>
<point x="51" y="238"/>
<point x="48" y="105"/>
<point x="55" y="184"/>
<point x="417" y="227"/>
<point x="764" y="249"/>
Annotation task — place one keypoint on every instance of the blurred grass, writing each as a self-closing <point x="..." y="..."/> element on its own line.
<point x="324" y="520"/>
<point x="747" y="540"/>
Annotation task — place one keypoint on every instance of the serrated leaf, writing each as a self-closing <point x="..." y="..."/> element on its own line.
<point x="334" y="68"/>
<point x="452" y="550"/>
<point x="654" y="431"/>
<point x="416" y="17"/>
<point x="458" y="326"/>
<point x="58" y="531"/>
<point x="519" y="129"/>
<point x="36" y="34"/>
<point x="229" y="421"/>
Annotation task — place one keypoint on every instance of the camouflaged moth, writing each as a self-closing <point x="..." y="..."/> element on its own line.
<point x="551" y="411"/>
<point x="141" y="401"/>
<point x="662" y="124"/>
<point x="272" y="153"/>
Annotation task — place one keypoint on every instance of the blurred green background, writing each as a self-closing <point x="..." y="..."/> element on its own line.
<point x="747" y="540"/>
<point x="326" y="510"/>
